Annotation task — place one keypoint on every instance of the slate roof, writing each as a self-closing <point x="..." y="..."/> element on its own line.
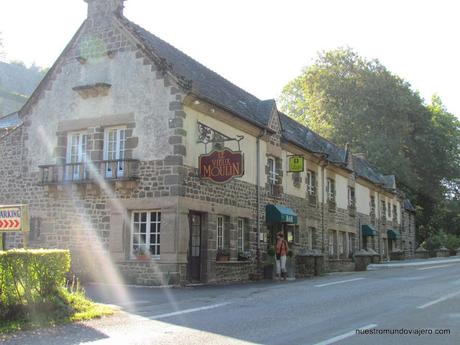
<point x="205" y="82"/>
<point x="408" y="205"/>
<point x="212" y="87"/>
<point x="10" y="121"/>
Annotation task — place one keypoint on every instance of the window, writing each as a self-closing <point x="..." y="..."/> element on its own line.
<point x="114" y="151"/>
<point x="311" y="238"/>
<point x="351" y="243"/>
<point x="272" y="171"/>
<point x="384" y="209"/>
<point x="395" y="213"/>
<point x="240" y="235"/>
<point x="389" y="210"/>
<point x="220" y="232"/>
<point x="146" y="232"/>
<point x="330" y="189"/>
<point x="372" y="206"/>
<point x="331" y="243"/>
<point x="311" y="183"/>
<point x="76" y="153"/>
<point x="351" y="197"/>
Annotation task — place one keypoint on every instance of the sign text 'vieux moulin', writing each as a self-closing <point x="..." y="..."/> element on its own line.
<point x="221" y="166"/>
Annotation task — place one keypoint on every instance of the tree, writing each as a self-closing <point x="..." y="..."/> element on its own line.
<point x="349" y="99"/>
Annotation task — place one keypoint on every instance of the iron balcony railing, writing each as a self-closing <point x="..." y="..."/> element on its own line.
<point x="120" y="169"/>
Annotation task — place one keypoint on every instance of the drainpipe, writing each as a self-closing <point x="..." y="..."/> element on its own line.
<point x="378" y="225"/>
<point x="323" y="165"/>
<point x="263" y="133"/>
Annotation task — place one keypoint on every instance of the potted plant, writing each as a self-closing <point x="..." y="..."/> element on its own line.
<point x="269" y="263"/>
<point x="142" y="253"/>
<point x="222" y="255"/>
<point x="244" y="256"/>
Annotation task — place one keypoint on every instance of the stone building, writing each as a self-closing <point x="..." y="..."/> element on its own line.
<point x="107" y="151"/>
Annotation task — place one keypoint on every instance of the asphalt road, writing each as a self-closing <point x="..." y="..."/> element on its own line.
<point x="325" y="310"/>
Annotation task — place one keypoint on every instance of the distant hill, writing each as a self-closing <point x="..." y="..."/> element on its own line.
<point x="17" y="82"/>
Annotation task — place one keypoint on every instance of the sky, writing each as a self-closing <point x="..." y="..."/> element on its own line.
<point x="260" y="45"/>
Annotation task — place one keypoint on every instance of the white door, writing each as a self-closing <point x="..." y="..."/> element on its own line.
<point x="76" y="153"/>
<point x="114" y="152"/>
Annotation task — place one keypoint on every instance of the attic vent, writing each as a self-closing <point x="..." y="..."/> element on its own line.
<point x="242" y="103"/>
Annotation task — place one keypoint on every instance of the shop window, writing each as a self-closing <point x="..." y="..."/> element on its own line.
<point x="146" y="233"/>
<point x="331" y="243"/>
<point x="292" y="233"/>
<point x="241" y="235"/>
<point x="220" y="232"/>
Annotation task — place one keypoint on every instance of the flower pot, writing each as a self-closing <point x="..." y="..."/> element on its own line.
<point x="143" y="258"/>
<point x="223" y="258"/>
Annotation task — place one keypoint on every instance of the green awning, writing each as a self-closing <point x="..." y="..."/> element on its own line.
<point x="280" y="214"/>
<point x="393" y="234"/>
<point x="368" y="230"/>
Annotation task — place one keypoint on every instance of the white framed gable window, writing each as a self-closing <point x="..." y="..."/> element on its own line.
<point x="311" y="183"/>
<point x="240" y="226"/>
<point x="145" y="239"/>
<point x="330" y="189"/>
<point x="76" y="153"/>
<point x="114" y="151"/>
<point x="220" y="232"/>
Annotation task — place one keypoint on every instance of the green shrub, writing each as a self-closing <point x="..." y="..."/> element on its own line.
<point x="31" y="278"/>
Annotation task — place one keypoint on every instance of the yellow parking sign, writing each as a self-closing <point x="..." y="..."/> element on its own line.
<point x="296" y="164"/>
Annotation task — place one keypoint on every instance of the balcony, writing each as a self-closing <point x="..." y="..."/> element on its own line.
<point x="122" y="170"/>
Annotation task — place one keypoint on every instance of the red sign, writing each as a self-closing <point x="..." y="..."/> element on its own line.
<point x="10" y="218"/>
<point x="221" y="166"/>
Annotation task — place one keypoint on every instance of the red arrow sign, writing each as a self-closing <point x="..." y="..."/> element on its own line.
<point x="1" y="224"/>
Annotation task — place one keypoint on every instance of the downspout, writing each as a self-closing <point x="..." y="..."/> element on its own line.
<point x="378" y="225"/>
<point x="263" y="133"/>
<point x="322" y="205"/>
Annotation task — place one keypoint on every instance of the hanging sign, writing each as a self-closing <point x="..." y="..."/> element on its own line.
<point x="14" y="218"/>
<point x="296" y="164"/>
<point x="221" y="166"/>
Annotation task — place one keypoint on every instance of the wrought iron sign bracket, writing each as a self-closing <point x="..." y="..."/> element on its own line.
<point x="208" y="135"/>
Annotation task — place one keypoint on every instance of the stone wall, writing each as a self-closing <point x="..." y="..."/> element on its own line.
<point x="234" y="271"/>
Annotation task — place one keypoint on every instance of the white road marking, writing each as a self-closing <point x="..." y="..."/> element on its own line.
<point x="345" y="335"/>
<point x="429" y="268"/>
<point x="186" y="311"/>
<point x="339" y="282"/>
<point x="442" y="299"/>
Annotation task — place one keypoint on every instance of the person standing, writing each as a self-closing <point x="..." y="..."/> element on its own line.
<point x="281" y="253"/>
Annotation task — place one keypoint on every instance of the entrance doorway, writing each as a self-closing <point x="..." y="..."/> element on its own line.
<point x="195" y="246"/>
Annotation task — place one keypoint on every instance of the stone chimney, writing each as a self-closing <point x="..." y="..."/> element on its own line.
<point x="102" y="8"/>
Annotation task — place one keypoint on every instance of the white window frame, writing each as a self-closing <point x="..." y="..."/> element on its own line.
<point x="351" y="199"/>
<point x="272" y="174"/>
<point x="120" y="150"/>
<point x="330" y="191"/>
<point x="220" y="232"/>
<point x="240" y="230"/>
<point x="148" y="232"/>
<point x="80" y="155"/>
<point x="311" y="185"/>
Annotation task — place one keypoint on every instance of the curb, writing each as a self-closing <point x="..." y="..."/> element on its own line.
<point x="372" y="267"/>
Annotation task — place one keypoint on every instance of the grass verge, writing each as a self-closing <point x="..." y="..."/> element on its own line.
<point x="65" y="307"/>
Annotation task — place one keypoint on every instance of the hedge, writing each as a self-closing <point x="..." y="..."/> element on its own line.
<point x="31" y="276"/>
